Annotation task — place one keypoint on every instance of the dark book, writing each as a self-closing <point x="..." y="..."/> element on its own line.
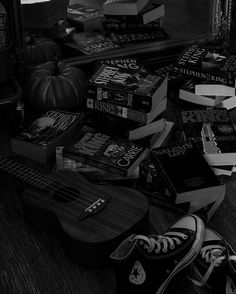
<point x="39" y="140"/>
<point x="123" y="7"/>
<point x="148" y="14"/>
<point x="90" y="43"/>
<point x="136" y="37"/>
<point x="125" y="112"/>
<point x="126" y="128"/>
<point x="106" y="151"/>
<point x="84" y="18"/>
<point x="138" y="90"/>
<point x="187" y="93"/>
<point x="208" y="64"/>
<point x="183" y="175"/>
<point x="213" y="131"/>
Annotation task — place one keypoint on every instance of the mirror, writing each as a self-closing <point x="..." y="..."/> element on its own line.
<point x="185" y="21"/>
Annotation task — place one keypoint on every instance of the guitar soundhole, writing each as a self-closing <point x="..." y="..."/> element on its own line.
<point x="65" y="194"/>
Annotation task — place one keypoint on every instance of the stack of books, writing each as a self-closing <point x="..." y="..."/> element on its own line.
<point x="133" y="20"/>
<point x="132" y="103"/>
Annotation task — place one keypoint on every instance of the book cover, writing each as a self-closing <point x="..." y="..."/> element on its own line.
<point x="196" y="184"/>
<point x="148" y="14"/>
<point x="90" y="43"/>
<point x="187" y="93"/>
<point x="123" y="7"/>
<point x="136" y="37"/>
<point x="106" y="151"/>
<point x="207" y="64"/>
<point x="39" y="140"/>
<point x="125" y="112"/>
<point x="213" y="131"/>
<point x="85" y="18"/>
<point x="126" y="128"/>
<point x="138" y="90"/>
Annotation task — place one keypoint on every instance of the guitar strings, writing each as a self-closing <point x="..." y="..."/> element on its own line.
<point x="48" y="181"/>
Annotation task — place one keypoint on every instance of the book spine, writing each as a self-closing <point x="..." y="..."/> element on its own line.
<point x="119" y="97"/>
<point x="91" y="162"/>
<point x="213" y="78"/>
<point x="117" y="110"/>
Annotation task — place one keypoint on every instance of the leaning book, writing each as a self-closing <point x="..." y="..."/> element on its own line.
<point x="38" y="141"/>
<point x="213" y="131"/>
<point x="138" y="90"/>
<point x="106" y="151"/>
<point x="184" y="177"/>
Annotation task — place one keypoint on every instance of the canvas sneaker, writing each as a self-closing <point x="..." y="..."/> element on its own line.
<point x="215" y="266"/>
<point x="146" y="264"/>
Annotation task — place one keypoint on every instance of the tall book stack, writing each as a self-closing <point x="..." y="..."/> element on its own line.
<point x="133" y="20"/>
<point x="132" y="103"/>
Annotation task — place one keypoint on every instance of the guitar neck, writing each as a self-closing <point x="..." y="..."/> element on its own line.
<point x="30" y="176"/>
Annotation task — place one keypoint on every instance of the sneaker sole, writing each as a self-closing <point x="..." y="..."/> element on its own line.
<point x="194" y="251"/>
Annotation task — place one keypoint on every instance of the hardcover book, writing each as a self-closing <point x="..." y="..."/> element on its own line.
<point x="85" y="18"/>
<point x="138" y="90"/>
<point x="148" y="14"/>
<point x="207" y="64"/>
<point x="196" y="186"/>
<point x="123" y="7"/>
<point x="38" y="141"/>
<point x="187" y="93"/>
<point x="90" y="43"/>
<point x="213" y="131"/>
<point x="127" y="113"/>
<point x="106" y="151"/>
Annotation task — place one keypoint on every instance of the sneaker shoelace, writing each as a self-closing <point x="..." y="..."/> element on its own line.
<point x="213" y="255"/>
<point x="161" y="242"/>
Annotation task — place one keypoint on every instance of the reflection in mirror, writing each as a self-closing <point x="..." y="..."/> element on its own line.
<point x="185" y="21"/>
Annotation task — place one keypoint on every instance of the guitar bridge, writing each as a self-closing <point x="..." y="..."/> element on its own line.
<point x="97" y="206"/>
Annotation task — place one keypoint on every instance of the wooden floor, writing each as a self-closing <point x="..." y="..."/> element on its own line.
<point x="33" y="262"/>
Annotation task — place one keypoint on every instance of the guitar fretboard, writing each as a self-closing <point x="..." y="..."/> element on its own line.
<point x="33" y="177"/>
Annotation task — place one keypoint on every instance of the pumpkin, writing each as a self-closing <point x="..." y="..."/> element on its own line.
<point x="56" y="85"/>
<point x="40" y="49"/>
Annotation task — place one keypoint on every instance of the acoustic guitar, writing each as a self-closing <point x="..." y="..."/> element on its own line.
<point x="90" y="219"/>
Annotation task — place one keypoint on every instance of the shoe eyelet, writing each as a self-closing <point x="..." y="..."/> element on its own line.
<point x="172" y="247"/>
<point x="185" y="237"/>
<point x="163" y="250"/>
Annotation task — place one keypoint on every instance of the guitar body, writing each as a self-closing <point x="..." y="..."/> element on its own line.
<point x="88" y="238"/>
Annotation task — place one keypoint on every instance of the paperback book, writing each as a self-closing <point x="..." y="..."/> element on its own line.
<point x="138" y="90"/>
<point x="208" y="64"/>
<point x="84" y="18"/>
<point x="116" y="25"/>
<point x="123" y="7"/>
<point x="127" y="113"/>
<point x="126" y="128"/>
<point x="136" y="37"/>
<point x="39" y="140"/>
<point x="106" y="151"/>
<point x="90" y="43"/>
<point x="123" y="62"/>
<point x="213" y="131"/>
<point x="148" y="14"/>
<point x="196" y="186"/>
<point x="187" y="93"/>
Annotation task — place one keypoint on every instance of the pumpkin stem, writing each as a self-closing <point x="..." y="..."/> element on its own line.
<point x="57" y="69"/>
